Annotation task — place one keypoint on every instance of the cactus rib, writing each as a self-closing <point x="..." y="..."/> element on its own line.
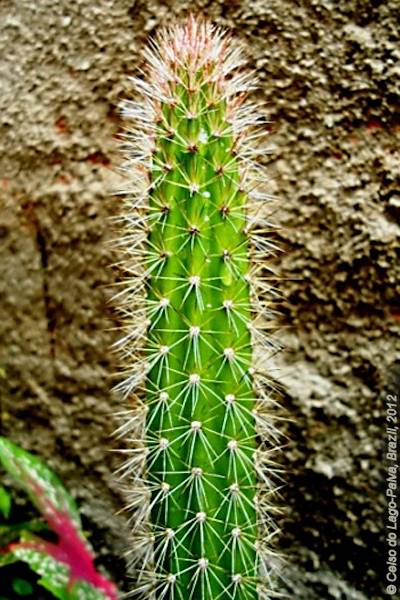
<point x="193" y="300"/>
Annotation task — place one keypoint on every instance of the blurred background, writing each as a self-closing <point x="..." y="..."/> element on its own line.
<point x="329" y="74"/>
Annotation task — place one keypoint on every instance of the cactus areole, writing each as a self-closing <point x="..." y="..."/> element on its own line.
<point x="195" y="314"/>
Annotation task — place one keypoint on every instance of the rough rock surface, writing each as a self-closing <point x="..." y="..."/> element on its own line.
<point x="329" y="73"/>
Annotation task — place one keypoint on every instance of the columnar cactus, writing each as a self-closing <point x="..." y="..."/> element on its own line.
<point x="195" y="313"/>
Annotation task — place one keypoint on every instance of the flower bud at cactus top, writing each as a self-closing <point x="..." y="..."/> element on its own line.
<point x="191" y="240"/>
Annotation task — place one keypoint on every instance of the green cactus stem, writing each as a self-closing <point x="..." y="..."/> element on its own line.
<point x="194" y="243"/>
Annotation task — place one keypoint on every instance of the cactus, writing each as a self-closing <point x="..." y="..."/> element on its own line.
<point x="195" y="313"/>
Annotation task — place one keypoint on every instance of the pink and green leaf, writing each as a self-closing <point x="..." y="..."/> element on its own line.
<point x="32" y="474"/>
<point x="66" y="567"/>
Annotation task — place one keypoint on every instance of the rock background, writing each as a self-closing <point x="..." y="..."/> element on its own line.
<point x="329" y="73"/>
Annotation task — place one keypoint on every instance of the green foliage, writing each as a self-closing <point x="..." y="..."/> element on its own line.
<point x="5" y="502"/>
<point x="22" y="587"/>
<point x="54" y="576"/>
<point x="15" y="532"/>
<point x="54" y="563"/>
<point x="31" y="474"/>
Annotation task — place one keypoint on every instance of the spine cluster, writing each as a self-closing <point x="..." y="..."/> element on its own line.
<point x="196" y="301"/>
